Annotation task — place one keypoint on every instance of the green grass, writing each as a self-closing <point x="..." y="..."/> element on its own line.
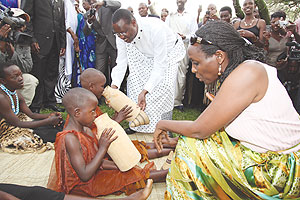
<point x="187" y="114"/>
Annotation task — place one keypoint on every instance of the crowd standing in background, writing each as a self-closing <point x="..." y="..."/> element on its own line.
<point x="249" y="90"/>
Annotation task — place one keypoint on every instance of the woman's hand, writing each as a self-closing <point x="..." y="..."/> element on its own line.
<point x="246" y="33"/>
<point x="158" y="137"/>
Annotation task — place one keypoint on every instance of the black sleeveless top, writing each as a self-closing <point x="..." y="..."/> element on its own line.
<point x="254" y="29"/>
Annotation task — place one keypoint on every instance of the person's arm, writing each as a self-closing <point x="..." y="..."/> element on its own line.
<point x="87" y="29"/>
<point x="75" y="39"/>
<point x="62" y="31"/>
<point x="86" y="171"/>
<point x="118" y="71"/>
<point x="236" y="24"/>
<point x="24" y="109"/>
<point x="68" y="20"/>
<point x="160" y="64"/>
<point x="198" y="15"/>
<point x="151" y="8"/>
<point x="123" y="114"/>
<point x="245" y="85"/>
<point x="262" y="28"/>
<point x="7" y="113"/>
<point x="6" y="196"/>
<point x="292" y="29"/>
<point x="113" y="5"/>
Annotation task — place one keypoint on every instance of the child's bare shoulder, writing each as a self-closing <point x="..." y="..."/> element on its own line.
<point x="71" y="140"/>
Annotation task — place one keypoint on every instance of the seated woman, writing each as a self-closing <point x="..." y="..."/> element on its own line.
<point x="16" y="134"/>
<point x="257" y="156"/>
<point x="250" y="27"/>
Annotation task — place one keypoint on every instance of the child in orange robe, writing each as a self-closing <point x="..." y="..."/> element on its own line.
<point x="79" y="165"/>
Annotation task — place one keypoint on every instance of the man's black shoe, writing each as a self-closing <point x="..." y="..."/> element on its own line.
<point x="129" y="131"/>
<point x="180" y="108"/>
<point x="35" y="110"/>
<point x="55" y="108"/>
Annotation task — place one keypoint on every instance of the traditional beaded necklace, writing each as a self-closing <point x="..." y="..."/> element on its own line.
<point x="14" y="108"/>
<point x="250" y="24"/>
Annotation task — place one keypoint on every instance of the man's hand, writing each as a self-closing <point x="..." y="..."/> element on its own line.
<point x="98" y="5"/>
<point x="114" y="86"/>
<point x="55" y="119"/>
<point x="122" y="114"/>
<point x="142" y="99"/>
<point x="182" y="36"/>
<point x="5" y="29"/>
<point x="91" y="18"/>
<point x="35" y="47"/>
<point x="199" y="9"/>
<point x="62" y="51"/>
<point x="76" y="43"/>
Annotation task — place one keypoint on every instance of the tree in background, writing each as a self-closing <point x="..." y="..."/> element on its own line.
<point x="291" y="7"/>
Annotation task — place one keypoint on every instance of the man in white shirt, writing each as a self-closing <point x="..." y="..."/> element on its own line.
<point x="184" y="24"/>
<point x="152" y="52"/>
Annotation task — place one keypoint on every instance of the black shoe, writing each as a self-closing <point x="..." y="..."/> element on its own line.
<point x="35" y="110"/>
<point x="129" y="131"/>
<point x="180" y="108"/>
<point x="55" y="108"/>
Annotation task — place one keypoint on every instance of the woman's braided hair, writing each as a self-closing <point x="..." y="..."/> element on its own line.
<point x="224" y="37"/>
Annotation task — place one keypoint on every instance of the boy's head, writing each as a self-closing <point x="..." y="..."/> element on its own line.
<point x="93" y="80"/>
<point x="81" y="105"/>
<point x="11" y="76"/>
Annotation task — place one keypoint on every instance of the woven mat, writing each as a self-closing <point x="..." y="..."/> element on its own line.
<point x="33" y="169"/>
<point x="26" y="169"/>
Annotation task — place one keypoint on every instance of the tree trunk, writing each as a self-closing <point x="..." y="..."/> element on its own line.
<point x="263" y="10"/>
<point x="238" y="10"/>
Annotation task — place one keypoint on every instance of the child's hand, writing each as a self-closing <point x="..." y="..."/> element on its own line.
<point x="123" y="114"/>
<point x="106" y="138"/>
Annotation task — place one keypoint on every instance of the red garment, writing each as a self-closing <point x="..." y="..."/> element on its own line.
<point x="104" y="182"/>
<point x="140" y="145"/>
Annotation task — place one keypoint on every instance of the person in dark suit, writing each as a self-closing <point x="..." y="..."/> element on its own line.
<point x="47" y="26"/>
<point x="101" y="23"/>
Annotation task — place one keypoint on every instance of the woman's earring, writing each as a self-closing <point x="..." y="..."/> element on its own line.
<point x="220" y="68"/>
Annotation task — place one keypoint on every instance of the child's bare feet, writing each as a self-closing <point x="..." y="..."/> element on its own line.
<point x="142" y="194"/>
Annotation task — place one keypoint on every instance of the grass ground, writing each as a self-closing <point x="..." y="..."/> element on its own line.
<point x="187" y="114"/>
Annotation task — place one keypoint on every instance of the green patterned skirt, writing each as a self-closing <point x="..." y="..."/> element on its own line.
<point x="220" y="168"/>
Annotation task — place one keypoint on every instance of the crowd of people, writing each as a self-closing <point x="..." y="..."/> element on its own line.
<point x="242" y="73"/>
